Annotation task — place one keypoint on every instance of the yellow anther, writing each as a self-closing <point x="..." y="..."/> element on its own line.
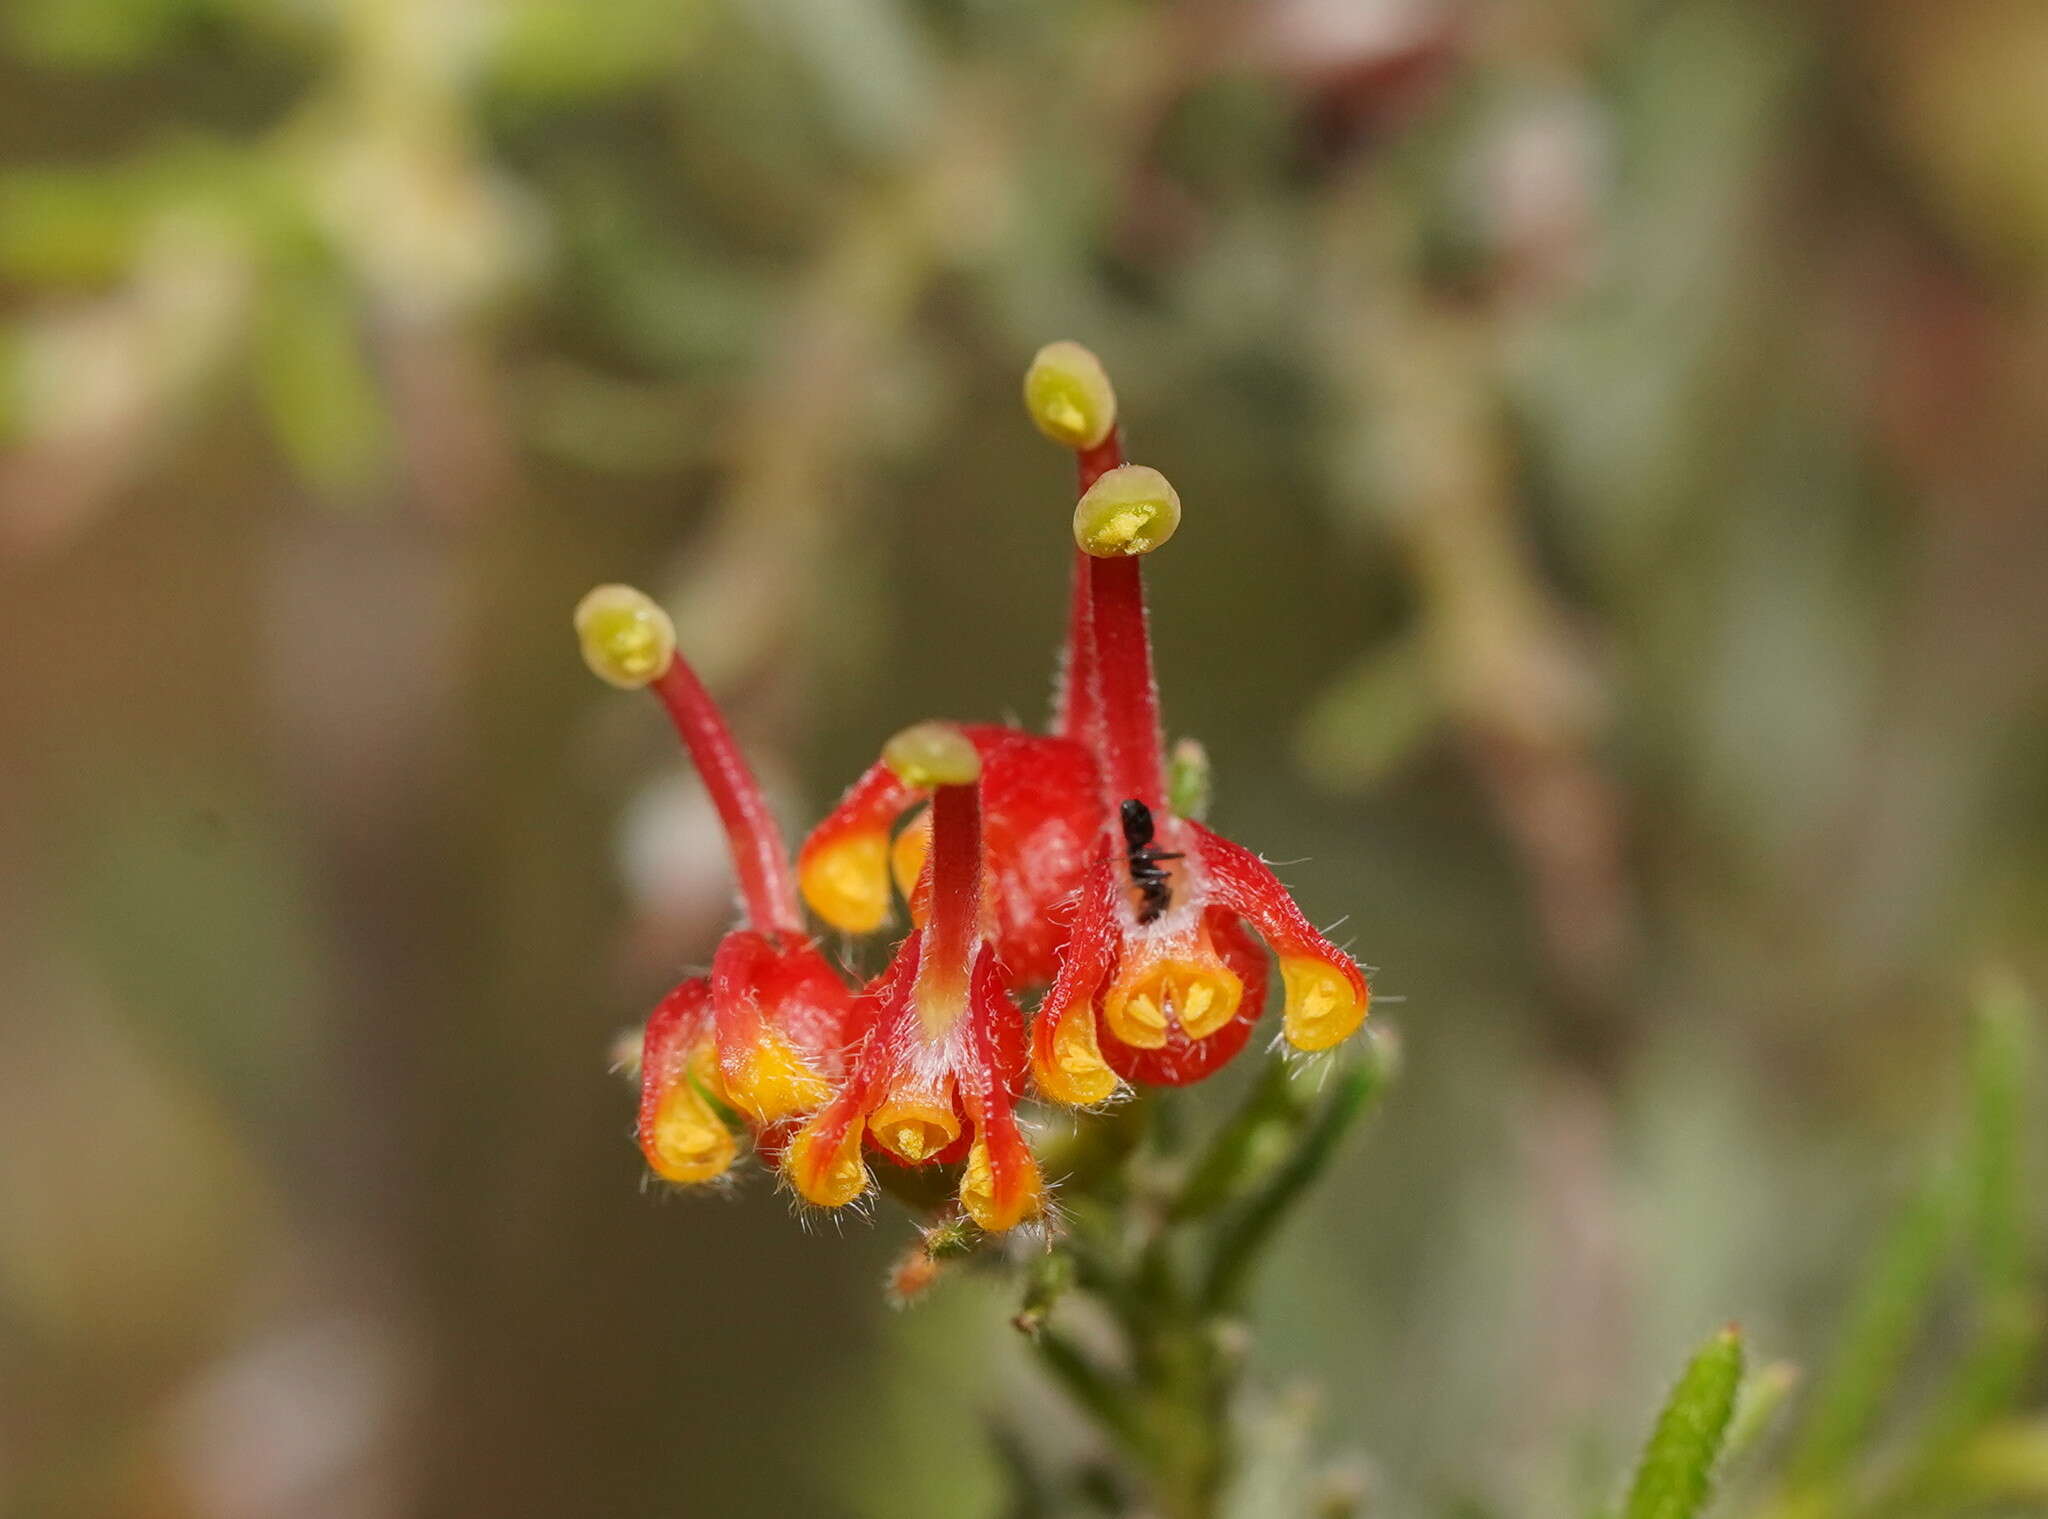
<point x="932" y="754"/>
<point x="687" y="1142"/>
<point x="627" y="640"/>
<point x="1198" y="1001"/>
<point x="1077" y="1074"/>
<point x="1184" y="980"/>
<point x="1322" y="1010"/>
<point x="913" y="1131"/>
<point x="1129" y="510"/>
<point x="1137" y="1018"/>
<point x="829" y="1175"/>
<point x="1069" y="396"/>
<point x="1208" y="999"/>
<point x="978" y="1191"/>
<point x="775" y="1081"/>
<point x="847" y="881"/>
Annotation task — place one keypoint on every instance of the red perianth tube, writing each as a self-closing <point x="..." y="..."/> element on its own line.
<point x="1076" y="717"/>
<point x="1123" y="677"/>
<point x="1101" y="459"/>
<point x="759" y="857"/>
<point x="955" y="922"/>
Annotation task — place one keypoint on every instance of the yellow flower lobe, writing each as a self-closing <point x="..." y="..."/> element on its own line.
<point x="1322" y="1009"/>
<point x="847" y="881"/>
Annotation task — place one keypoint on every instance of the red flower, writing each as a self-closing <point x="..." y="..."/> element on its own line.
<point x="1158" y="981"/>
<point x="1041" y="813"/>
<point x="1167" y="996"/>
<point x="765" y="1034"/>
<point x="1041" y="794"/>
<point x="1040" y="859"/>
<point x="680" y="1130"/>
<point x="938" y="1076"/>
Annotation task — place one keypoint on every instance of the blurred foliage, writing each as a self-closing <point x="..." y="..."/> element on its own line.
<point x="1610" y="434"/>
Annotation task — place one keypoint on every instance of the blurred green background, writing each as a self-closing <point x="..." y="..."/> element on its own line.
<point x="1615" y="578"/>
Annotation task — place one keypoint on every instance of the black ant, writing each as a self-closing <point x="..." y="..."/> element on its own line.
<point x="1144" y="859"/>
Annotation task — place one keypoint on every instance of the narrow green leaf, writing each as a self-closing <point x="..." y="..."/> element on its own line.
<point x="2000" y="1067"/>
<point x="1986" y="1383"/>
<point x="1885" y="1317"/>
<point x="314" y="378"/>
<point x="1095" y="1391"/>
<point x="1677" y="1468"/>
<point x="2009" y="1463"/>
<point x="1029" y="1494"/>
<point x="1270" y="1110"/>
<point x="69" y="227"/>
<point x="1051" y="1275"/>
<point x="1243" y="1234"/>
<point x="1992" y="1198"/>
<point x="1763" y="1394"/>
<point x="1372" y="719"/>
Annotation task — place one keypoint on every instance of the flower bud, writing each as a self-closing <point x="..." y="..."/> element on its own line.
<point x="1069" y="396"/>
<point x="1189" y="783"/>
<point x="1129" y="510"/>
<point x="627" y="640"/>
<point x="932" y="754"/>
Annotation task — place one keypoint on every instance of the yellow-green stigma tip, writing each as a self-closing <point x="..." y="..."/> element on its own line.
<point x="932" y="754"/>
<point x="1069" y="396"/>
<point x="627" y="640"/>
<point x="1130" y="510"/>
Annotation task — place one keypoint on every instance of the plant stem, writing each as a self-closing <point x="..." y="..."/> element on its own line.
<point x="1246" y="1234"/>
<point x="1171" y="1271"/>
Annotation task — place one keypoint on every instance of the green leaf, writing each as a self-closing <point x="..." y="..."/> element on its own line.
<point x="2001" y="1063"/>
<point x="314" y="378"/>
<point x="1106" y="1398"/>
<point x="1677" y="1468"/>
<point x="2008" y="1462"/>
<point x="1988" y="1378"/>
<point x="1985" y="1384"/>
<point x="548" y="50"/>
<point x="1243" y="1234"/>
<point x="69" y="227"/>
<point x="1271" y="1110"/>
<point x="1372" y="720"/>
<point x="1049" y="1280"/>
<point x="1885" y="1317"/>
<point x="97" y="34"/>
<point x="1764" y="1393"/>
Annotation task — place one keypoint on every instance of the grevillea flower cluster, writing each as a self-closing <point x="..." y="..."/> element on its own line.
<point x="1070" y="932"/>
